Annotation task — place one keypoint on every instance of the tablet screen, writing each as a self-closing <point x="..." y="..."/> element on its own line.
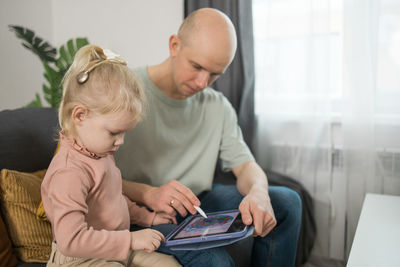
<point x="214" y="224"/>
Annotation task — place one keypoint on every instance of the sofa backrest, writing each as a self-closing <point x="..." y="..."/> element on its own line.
<point x="28" y="138"/>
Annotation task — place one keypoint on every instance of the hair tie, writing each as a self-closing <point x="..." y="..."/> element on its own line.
<point x="83" y="76"/>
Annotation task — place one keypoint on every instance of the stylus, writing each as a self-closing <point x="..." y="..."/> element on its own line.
<point x="202" y="213"/>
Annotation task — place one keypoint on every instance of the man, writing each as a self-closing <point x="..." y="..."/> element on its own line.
<point x="170" y="157"/>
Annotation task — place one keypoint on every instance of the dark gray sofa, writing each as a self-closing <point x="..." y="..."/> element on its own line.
<point x="28" y="141"/>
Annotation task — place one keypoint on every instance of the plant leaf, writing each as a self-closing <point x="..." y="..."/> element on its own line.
<point x="60" y="64"/>
<point x="54" y="67"/>
<point x="37" y="45"/>
<point x="66" y="56"/>
<point x="54" y="75"/>
<point x="52" y="92"/>
<point x="71" y="49"/>
<point x="80" y="42"/>
<point x="46" y="89"/>
<point x="35" y="103"/>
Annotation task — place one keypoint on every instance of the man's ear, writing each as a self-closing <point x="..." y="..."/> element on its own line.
<point x="174" y="45"/>
<point x="79" y="114"/>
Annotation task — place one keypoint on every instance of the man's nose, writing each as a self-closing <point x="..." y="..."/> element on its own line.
<point x="202" y="79"/>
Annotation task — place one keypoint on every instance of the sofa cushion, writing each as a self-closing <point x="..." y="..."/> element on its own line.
<point x="7" y="257"/>
<point x="19" y="198"/>
<point x="40" y="213"/>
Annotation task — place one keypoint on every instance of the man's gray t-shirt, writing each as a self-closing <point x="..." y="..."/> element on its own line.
<point x="182" y="139"/>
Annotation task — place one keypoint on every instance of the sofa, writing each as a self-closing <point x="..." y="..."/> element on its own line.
<point x="27" y="144"/>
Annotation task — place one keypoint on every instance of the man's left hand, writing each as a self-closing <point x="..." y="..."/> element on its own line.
<point x="256" y="209"/>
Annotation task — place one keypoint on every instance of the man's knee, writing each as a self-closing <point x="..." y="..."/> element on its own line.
<point x="287" y="203"/>
<point x="221" y="197"/>
<point x="214" y="257"/>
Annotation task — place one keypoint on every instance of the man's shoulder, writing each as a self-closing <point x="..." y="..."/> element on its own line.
<point x="211" y="94"/>
<point x="139" y="71"/>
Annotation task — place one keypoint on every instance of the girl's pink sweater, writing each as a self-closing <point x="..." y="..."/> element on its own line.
<point x="82" y="197"/>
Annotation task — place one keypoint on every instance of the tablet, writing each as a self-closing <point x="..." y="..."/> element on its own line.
<point x="217" y="226"/>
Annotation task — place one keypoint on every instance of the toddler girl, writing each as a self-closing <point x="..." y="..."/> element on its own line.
<point x="82" y="190"/>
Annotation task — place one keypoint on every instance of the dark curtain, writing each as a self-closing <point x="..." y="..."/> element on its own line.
<point x="237" y="84"/>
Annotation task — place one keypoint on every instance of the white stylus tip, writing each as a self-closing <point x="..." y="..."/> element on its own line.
<point x="202" y="213"/>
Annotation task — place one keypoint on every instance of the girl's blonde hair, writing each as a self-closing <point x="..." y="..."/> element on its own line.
<point x="110" y="87"/>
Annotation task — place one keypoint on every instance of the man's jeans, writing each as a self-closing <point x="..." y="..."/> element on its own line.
<point x="277" y="249"/>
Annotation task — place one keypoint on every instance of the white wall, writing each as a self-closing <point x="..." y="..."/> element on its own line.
<point x="20" y="70"/>
<point x="137" y="30"/>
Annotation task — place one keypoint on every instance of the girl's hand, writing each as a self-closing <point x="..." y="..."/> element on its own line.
<point x="148" y="240"/>
<point x="164" y="218"/>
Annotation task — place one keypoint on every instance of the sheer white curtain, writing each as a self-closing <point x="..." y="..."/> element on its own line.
<point x="327" y="92"/>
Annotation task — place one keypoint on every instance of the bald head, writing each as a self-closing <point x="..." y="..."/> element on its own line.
<point x="211" y="26"/>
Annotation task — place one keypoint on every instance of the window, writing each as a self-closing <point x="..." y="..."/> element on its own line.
<point x="299" y="57"/>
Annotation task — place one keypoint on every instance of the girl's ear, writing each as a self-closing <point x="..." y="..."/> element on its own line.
<point x="79" y="114"/>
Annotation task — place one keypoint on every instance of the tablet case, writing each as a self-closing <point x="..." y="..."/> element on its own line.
<point x="212" y="244"/>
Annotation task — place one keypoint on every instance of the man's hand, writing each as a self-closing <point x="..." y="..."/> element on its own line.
<point x="172" y="197"/>
<point x="256" y="209"/>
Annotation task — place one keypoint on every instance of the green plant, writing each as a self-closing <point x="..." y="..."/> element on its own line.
<point x="55" y="64"/>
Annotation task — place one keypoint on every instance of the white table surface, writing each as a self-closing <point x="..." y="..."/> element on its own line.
<point x="377" y="239"/>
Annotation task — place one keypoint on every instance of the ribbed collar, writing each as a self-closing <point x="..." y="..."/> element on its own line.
<point x="81" y="149"/>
